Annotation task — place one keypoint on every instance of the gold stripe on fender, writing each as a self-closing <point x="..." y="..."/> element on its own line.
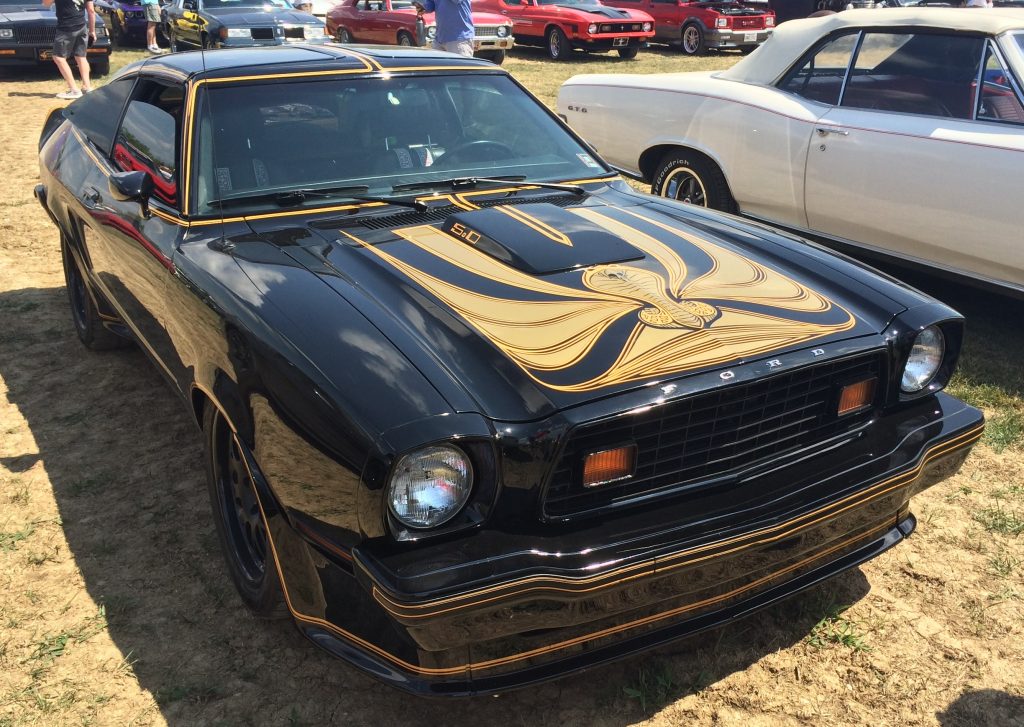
<point x="665" y="564"/>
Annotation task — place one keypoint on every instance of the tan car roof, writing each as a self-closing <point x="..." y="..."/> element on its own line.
<point x="791" y="39"/>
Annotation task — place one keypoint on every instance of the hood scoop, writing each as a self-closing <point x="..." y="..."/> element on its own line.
<point x="539" y="239"/>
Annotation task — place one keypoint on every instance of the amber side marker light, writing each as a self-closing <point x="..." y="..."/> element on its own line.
<point x="610" y="465"/>
<point x="854" y="397"/>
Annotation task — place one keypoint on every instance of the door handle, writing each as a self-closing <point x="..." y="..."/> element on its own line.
<point x="826" y="130"/>
<point x="91" y="194"/>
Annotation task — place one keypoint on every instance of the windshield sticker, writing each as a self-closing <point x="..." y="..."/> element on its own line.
<point x="588" y="160"/>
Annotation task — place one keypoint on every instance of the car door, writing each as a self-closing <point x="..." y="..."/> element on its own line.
<point x="666" y="19"/>
<point x="519" y="12"/>
<point x="916" y="162"/>
<point x="134" y="242"/>
<point x="372" y="22"/>
<point x="189" y="21"/>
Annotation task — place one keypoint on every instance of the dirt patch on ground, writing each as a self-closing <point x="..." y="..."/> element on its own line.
<point x="115" y="606"/>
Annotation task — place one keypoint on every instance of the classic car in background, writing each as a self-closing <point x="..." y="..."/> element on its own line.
<point x="393" y="22"/>
<point x="893" y="132"/>
<point x="698" y="26"/>
<point x="319" y="8"/>
<point x="238" y="23"/>
<point x="27" y="31"/>
<point x="561" y="26"/>
<point x="476" y="413"/>
<point x="125" y="21"/>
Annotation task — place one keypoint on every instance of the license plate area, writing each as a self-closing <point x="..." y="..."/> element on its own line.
<point x="619" y="42"/>
<point x="750" y="37"/>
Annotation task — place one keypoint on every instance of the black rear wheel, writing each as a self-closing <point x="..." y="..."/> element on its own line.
<point x="344" y="36"/>
<point x="239" y="518"/>
<point x="405" y="39"/>
<point x="84" y="314"/>
<point x="692" y="178"/>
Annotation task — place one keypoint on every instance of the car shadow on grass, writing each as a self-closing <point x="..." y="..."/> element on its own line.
<point x="123" y="458"/>
<point x="983" y="707"/>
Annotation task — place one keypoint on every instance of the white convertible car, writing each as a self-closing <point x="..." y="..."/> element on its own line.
<point x="897" y="131"/>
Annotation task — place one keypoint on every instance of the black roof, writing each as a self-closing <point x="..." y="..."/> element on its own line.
<point x="291" y="58"/>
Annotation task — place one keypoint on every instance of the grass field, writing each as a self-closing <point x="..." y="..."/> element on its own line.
<point x="115" y="607"/>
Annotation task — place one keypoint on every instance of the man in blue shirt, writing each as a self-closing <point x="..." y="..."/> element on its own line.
<point x="454" y="20"/>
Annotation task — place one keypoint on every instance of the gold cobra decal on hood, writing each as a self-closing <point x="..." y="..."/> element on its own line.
<point x="627" y="321"/>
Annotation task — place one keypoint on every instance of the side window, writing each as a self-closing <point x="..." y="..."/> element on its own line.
<point x="96" y="114"/>
<point x="820" y="76"/>
<point x="998" y="100"/>
<point x="148" y="138"/>
<point x="926" y="73"/>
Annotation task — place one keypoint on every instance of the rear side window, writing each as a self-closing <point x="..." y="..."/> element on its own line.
<point x="820" y="76"/>
<point x="148" y="139"/>
<point x="96" y="114"/>
<point x="924" y="73"/>
<point x="998" y="100"/>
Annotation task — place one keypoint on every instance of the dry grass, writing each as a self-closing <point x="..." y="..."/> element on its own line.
<point x="116" y="609"/>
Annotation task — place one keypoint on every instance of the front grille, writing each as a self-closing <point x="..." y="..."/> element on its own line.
<point x="134" y="14"/>
<point x="486" y="31"/>
<point x="621" y="27"/>
<point x="262" y="33"/>
<point x="745" y="23"/>
<point x="715" y="434"/>
<point x="37" y="34"/>
<point x="437" y="214"/>
<point x="294" y="33"/>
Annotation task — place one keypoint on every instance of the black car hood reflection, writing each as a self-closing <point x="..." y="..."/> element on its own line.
<point x="530" y="318"/>
<point x="255" y="16"/>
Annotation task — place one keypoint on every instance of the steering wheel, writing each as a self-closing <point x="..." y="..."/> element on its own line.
<point x="480" y="150"/>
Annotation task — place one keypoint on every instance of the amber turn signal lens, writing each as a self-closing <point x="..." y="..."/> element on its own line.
<point x="600" y="468"/>
<point x="856" y="396"/>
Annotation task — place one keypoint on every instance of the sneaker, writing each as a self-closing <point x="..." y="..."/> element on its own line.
<point x="69" y="94"/>
<point x="154" y="49"/>
<point x="87" y="90"/>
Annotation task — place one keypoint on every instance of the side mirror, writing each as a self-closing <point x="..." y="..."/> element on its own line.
<point x="128" y="186"/>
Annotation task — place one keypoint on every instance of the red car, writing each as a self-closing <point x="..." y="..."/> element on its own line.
<point x="561" y="26"/>
<point x="697" y="26"/>
<point x="393" y="22"/>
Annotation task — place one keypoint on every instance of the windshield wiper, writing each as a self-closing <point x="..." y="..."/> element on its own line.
<point x="470" y="182"/>
<point x="287" y="197"/>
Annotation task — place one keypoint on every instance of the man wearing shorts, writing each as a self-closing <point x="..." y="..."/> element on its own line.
<point x="73" y="39"/>
<point x="454" y="20"/>
<point x="152" y="9"/>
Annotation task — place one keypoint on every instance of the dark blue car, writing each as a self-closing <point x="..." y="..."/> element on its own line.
<point x="27" y="30"/>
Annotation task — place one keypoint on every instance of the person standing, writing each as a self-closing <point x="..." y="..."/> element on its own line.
<point x="454" y="20"/>
<point x="152" y="10"/>
<point x="72" y="40"/>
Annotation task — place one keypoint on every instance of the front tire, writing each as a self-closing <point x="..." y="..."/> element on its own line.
<point x="404" y="39"/>
<point x="84" y="314"/>
<point x="100" y="67"/>
<point x="693" y="40"/>
<point x="344" y="36"/>
<point x="629" y="52"/>
<point x="241" y="529"/>
<point x="497" y="57"/>
<point x="693" y="179"/>
<point x="557" y="44"/>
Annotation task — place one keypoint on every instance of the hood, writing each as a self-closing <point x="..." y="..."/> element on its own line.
<point x="596" y="9"/>
<point x="26" y="14"/>
<point x="536" y="307"/>
<point x="240" y="17"/>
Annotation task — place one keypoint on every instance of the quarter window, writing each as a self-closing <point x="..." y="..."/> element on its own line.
<point x="96" y="115"/>
<point x="998" y="100"/>
<point x="820" y="77"/>
<point x="929" y="74"/>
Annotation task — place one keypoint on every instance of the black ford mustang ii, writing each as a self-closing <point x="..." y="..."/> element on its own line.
<point x="476" y="413"/>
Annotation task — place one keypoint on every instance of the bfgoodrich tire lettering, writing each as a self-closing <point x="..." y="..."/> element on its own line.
<point x="690" y="178"/>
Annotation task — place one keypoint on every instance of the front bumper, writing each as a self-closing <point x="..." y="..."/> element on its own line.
<point x="20" y="54"/>
<point x="497" y="611"/>
<point x="610" y="41"/>
<point x="735" y="38"/>
<point x="492" y="43"/>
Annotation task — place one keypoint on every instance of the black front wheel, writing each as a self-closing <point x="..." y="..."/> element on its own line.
<point x="344" y="36"/>
<point x="629" y="52"/>
<point x="691" y="178"/>
<point x="84" y="314"/>
<point x="497" y="57"/>
<point x="241" y="526"/>
<point x="405" y="39"/>
<point x="101" y="67"/>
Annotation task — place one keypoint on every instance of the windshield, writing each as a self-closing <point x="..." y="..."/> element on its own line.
<point x="269" y="4"/>
<point x="377" y="134"/>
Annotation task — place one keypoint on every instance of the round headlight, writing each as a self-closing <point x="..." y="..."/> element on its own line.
<point x="431" y="31"/>
<point x="503" y="31"/>
<point x="592" y="28"/>
<point x="647" y="27"/>
<point x="924" y="360"/>
<point x="430" y="486"/>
